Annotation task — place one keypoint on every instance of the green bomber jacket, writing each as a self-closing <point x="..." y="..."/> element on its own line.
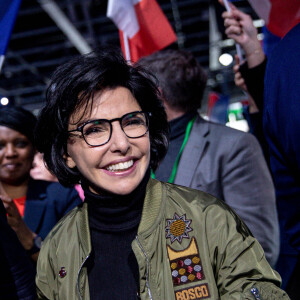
<point x="189" y="245"/>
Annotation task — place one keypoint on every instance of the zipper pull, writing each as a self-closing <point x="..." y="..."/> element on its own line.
<point x="255" y="293"/>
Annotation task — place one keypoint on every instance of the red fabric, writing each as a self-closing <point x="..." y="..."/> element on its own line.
<point x="20" y="204"/>
<point x="212" y="100"/>
<point x="284" y="15"/>
<point x="155" y="31"/>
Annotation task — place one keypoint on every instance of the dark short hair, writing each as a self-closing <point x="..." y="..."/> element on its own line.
<point x="18" y="119"/>
<point x="73" y="86"/>
<point x="181" y="78"/>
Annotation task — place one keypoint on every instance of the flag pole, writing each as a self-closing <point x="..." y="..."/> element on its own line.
<point x="237" y="46"/>
<point x="2" y="57"/>
<point x="126" y="46"/>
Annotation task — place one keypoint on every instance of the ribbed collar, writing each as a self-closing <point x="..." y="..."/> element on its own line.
<point x="111" y="212"/>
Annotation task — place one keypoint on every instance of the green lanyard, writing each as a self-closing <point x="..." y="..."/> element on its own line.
<point x="175" y="166"/>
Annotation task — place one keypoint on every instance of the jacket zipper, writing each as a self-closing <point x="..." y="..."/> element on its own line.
<point x="78" y="287"/>
<point x="147" y="272"/>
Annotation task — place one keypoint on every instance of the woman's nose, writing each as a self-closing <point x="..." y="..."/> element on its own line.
<point x="10" y="150"/>
<point x="119" y="141"/>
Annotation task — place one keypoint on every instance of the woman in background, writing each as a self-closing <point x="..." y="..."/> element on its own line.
<point x="33" y="207"/>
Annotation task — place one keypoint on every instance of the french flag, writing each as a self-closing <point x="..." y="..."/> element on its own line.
<point x="8" y="13"/>
<point x="142" y="25"/>
<point x="280" y="15"/>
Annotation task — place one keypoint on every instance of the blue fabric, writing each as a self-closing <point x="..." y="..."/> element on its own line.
<point x="46" y="203"/>
<point x="282" y="130"/>
<point x="8" y="13"/>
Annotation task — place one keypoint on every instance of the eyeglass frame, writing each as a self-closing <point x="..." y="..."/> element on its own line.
<point x="80" y="128"/>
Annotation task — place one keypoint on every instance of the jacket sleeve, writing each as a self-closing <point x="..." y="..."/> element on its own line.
<point x="45" y="273"/>
<point x="241" y="269"/>
<point x="248" y="189"/>
<point x="17" y="271"/>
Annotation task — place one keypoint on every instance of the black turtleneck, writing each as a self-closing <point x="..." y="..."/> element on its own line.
<point x="114" y="219"/>
<point x="177" y="133"/>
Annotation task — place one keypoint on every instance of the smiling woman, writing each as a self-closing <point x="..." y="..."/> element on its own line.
<point x="134" y="237"/>
<point x="30" y="205"/>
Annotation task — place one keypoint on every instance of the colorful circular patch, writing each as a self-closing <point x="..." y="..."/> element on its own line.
<point x="197" y="268"/>
<point x="184" y="279"/>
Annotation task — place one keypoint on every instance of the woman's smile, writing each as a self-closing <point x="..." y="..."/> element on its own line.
<point x="120" y="167"/>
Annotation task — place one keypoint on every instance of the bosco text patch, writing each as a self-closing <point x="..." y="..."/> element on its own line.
<point x="193" y="293"/>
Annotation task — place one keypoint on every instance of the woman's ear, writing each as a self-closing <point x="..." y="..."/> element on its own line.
<point x="69" y="161"/>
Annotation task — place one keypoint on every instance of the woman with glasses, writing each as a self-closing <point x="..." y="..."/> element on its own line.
<point x="133" y="237"/>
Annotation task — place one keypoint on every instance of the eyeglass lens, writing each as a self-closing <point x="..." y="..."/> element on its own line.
<point x="98" y="132"/>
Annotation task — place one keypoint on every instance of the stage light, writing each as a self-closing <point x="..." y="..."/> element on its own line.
<point x="4" y="101"/>
<point x="225" y="59"/>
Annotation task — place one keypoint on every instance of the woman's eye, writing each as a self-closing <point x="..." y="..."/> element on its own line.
<point x="135" y="121"/>
<point x="94" y="130"/>
<point x="21" y="144"/>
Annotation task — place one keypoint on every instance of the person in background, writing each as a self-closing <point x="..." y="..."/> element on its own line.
<point x="33" y="206"/>
<point x="282" y="127"/>
<point x="40" y="171"/>
<point x="250" y="73"/>
<point x="221" y="161"/>
<point x="134" y="237"/>
<point x="17" y="271"/>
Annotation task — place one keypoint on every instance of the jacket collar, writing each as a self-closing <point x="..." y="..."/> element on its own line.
<point x="194" y="148"/>
<point x="83" y="229"/>
<point x="153" y="208"/>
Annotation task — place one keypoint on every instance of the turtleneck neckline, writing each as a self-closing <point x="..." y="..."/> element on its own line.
<point x="178" y="125"/>
<point x="113" y="213"/>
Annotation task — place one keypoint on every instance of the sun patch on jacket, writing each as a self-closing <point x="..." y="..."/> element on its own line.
<point x="178" y="228"/>
<point x="185" y="265"/>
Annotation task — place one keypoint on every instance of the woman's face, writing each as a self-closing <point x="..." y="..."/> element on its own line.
<point x="120" y="165"/>
<point x="16" y="156"/>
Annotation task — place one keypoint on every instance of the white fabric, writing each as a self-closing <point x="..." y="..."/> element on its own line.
<point x="262" y="8"/>
<point x="123" y="15"/>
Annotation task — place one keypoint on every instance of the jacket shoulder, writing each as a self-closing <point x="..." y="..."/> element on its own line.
<point x="66" y="225"/>
<point x="204" y="206"/>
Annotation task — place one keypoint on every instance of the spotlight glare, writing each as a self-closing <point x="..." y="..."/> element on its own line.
<point x="4" y="101"/>
<point x="225" y="59"/>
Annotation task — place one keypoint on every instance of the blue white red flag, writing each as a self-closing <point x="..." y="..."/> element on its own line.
<point x="142" y="25"/>
<point x="8" y="13"/>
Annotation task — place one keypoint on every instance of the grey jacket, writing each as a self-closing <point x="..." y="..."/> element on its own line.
<point x="229" y="165"/>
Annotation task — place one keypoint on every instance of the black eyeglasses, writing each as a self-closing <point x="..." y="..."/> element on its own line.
<point x="98" y="132"/>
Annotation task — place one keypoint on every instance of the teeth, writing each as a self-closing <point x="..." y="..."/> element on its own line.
<point x="120" y="166"/>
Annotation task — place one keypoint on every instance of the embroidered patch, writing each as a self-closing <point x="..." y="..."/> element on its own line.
<point x="197" y="292"/>
<point x="178" y="228"/>
<point x="185" y="265"/>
